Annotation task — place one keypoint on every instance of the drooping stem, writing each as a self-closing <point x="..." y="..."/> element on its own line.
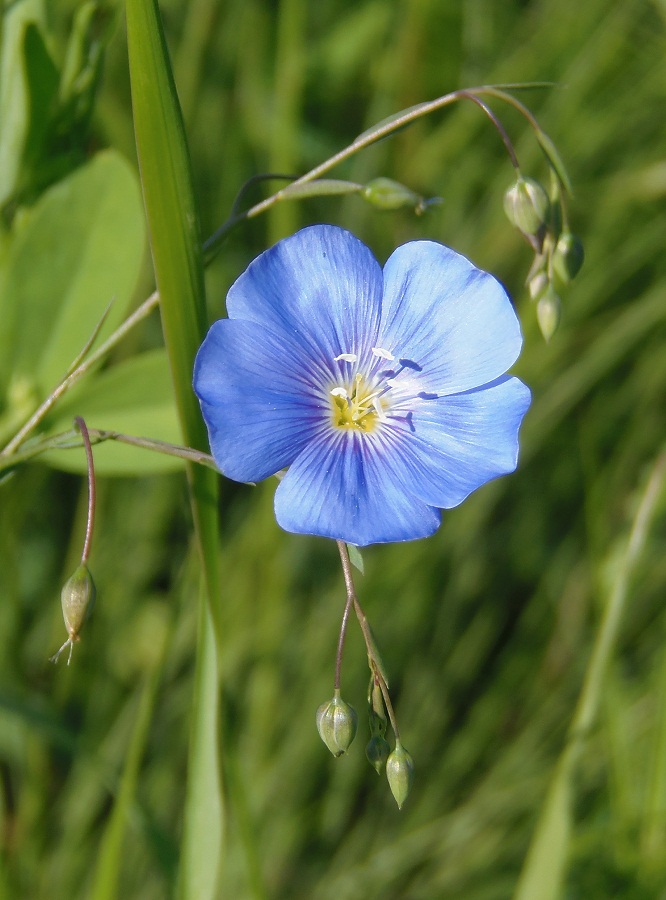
<point x="341" y="640"/>
<point x="92" y="492"/>
<point x="382" y="130"/>
<point x="501" y="130"/>
<point x="374" y="659"/>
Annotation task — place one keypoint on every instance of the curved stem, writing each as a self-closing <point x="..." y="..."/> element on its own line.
<point x="506" y="140"/>
<point x="92" y="493"/>
<point x="395" y="123"/>
<point x="341" y="641"/>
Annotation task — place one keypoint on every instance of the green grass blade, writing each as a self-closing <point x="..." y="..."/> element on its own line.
<point x="202" y="834"/>
<point x="545" y="866"/>
<point x="109" y="862"/>
<point x="176" y="248"/>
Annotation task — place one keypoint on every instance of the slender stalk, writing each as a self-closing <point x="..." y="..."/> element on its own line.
<point x="341" y="640"/>
<point x="92" y="493"/>
<point x="67" y="440"/>
<point x="374" y="661"/>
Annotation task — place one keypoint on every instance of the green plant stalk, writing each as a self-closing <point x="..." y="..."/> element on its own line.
<point x="287" y="101"/>
<point x="545" y="866"/>
<point x="176" y="248"/>
<point x="67" y="440"/>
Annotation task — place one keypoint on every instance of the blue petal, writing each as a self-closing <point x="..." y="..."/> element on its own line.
<point x="321" y="284"/>
<point x="259" y="398"/>
<point x="453" y="320"/>
<point x="339" y="487"/>
<point x="451" y="446"/>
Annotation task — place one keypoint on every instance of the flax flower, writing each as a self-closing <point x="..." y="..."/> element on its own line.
<point x="382" y="393"/>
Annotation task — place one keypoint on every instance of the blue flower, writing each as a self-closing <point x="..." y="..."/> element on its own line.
<point x="383" y="393"/>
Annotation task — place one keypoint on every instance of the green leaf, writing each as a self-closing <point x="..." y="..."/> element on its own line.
<point x="133" y="397"/>
<point x="80" y="247"/>
<point x="14" y="91"/>
<point x="42" y="83"/>
<point x="356" y="558"/>
<point x="321" y="187"/>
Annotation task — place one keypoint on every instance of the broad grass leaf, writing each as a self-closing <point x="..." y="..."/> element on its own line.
<point x="80" y="247"/>
<point x="133" y="397"/>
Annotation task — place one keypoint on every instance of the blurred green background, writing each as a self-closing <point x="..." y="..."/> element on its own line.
<point x="486" y="628"/>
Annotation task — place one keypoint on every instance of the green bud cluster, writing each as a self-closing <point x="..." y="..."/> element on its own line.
<point x="558" y="252"/>
<point x="336" y="723"/>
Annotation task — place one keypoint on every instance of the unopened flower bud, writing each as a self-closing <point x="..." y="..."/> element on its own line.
<point x="548" y="313"/>
<point x="538" y="285"/>
<point x="77" y="598"/>
<point x="376" y="715"/>
<point x="567" y="257"/>
<point x="526" y="205"/>
<point x="336" y="724"/>
<point x="377" y="723"/>
<point x="377" y="751"/>
<point x="400" y="773"/>
<point x="384" y="193"/>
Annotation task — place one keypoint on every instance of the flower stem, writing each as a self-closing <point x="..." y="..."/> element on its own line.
<point x="374" y="660"/>
<point x="341" y="640"/>
<point x="92" y="493"/>
<point x="67" y="440"/>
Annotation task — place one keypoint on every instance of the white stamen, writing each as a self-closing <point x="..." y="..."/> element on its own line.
<point x="340" y="392"/>
<point x="379" y="409"/>
<point x="383" y="354"/>
<point x="346" y="357"/>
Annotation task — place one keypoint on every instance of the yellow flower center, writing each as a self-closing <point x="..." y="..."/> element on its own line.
<point x="357" y="405"/>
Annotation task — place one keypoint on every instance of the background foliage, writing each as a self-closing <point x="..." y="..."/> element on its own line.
<point x="486" y="628"/>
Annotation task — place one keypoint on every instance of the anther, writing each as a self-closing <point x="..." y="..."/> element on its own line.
<point x="383" y="354"/>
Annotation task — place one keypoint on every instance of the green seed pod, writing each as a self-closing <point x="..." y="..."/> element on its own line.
<point x="377" y="752"/>
<point x="400" y="773"/>
<point x="568" y="257"/>
<point x="548" y="313"/>
<point x="384" y="193"/>
<point x="526" y="205"/>
<point x="336" y="724"/>
<point x="78" y="599"/>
